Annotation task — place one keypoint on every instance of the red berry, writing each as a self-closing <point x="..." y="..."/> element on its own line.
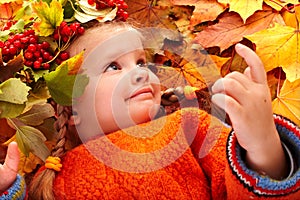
<point x="46" y="55"/>
<point x="56" y="36"/>
<point x="37" y="54"/>
<point x="5" y="51"/>
<point x="17" y="43"/>
<point x="24" y="40"/>
<point x="46" y="65"/>
<point x="1" y="44"/>
<point x="91" y="2"/>
<point x="31" y="48"/>
<point x="37" y="64"/>
<point x="33" y="40"/>
<point x="65" y="39"/>
<point x="64" y="56"/>
<point x="28" y="55"/>
<point x="45" y="45"/>
<point x="80" y="30"/>
<point x="110" y="3"/>
<point x="12" y="50"/>
<point x="28" y="63"/>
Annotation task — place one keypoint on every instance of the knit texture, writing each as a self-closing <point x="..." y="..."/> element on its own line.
<point x="199" y="169"/>
<point x="17" y="191"/>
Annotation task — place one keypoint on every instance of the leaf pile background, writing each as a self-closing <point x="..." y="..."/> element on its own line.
<point x="210" y="27"/>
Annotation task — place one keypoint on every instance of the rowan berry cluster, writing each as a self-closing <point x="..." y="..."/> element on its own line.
<point x="120" y="4"/>
<point x="38" y="54"/>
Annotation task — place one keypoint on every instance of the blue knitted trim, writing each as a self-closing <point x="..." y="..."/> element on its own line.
<point x="17" y="191"/>
<point x="263" y="185"/>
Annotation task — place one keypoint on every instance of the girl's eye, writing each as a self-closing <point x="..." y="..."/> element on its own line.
<point x="112" y="67"/>
<point x="141" y="64"/>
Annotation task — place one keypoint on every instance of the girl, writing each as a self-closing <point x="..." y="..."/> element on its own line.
<point x="128" y="155"/>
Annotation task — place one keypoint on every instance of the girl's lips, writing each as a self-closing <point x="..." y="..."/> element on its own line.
<point x="142" y="91"/>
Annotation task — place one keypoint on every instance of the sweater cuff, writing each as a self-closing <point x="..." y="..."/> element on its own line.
<point x="17" y="191"/>
<point x="263" y="185"/>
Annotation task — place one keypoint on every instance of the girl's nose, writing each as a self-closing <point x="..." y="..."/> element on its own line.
<point x="139" y="75"/>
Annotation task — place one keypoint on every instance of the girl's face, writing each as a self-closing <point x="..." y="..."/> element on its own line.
<point x="125" y="92"/>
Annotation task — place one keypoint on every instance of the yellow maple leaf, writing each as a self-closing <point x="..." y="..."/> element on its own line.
<point x="49" y="17"/>
<point x="245" y="8"/>
<point x="287" y="102"/>
<point x="292" y="18"/>
<point x="279" y="46"/>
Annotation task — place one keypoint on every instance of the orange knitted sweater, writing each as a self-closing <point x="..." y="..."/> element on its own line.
<point x="114" y="166"/>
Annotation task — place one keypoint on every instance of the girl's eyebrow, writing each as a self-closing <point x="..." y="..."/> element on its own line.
<point x="112" y="48"/>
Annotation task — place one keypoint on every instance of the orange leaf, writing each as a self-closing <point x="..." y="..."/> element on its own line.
<point x="292" y="19"/>
<point x="287" y="102"/>
<point x="279" y="4"/>
<point x="231" y="29"/>
<point x="8" y="10"/>
<point x="145" y="14"/>
<point x="28" y="164"/>
<point x="207" y="10"/>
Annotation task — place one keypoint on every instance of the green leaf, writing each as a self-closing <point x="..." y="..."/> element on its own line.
<point x="37" y="114"/>
<point x="10" y="110"/>
<point x="50" y="16"/>
<point x="18" y="27"/>
<point x="60" y="85"/>
<point x="4" y="35"/>
<point x="61" y="81"/>
<point x="30" y="139"/>
<point x="14" y="91"/>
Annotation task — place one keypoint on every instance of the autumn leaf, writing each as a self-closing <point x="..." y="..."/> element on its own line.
<point x="287" y="102"/>
<point x="279" y="4"/>
<point x="30" y="139"/>
<point x="37" y="114"/>
<point x="146" y="13"/>
<point x="207" y="10"/>
<point x="13" y="66"/>
<point x="14" y="91"/>
<point x="28" y="163"/>
<point x="279" y="46"/>
<point x="292" y="18"/>
<point x="9" y="9"/>
<point x="245" y="8"/>
<point x="50" y="17"/>
<point x="231" y="29"/>
<point x="63" y="92"/>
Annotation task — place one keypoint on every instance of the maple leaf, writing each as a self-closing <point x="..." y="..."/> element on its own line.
<point x="245" y="8"/>
<point x="206" y="10"/>
<point x="292" y="18"/>
<point x="231" y="29"/>
<point x="147" y="13"/>
<point x="287" y="102"/>
<point x="49" y="17"/>
<point x="279" y="46"/>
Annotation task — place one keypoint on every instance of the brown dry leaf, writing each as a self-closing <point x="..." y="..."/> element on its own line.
<point x="231" y="29"/>
<point x="207" y="10"/>
<point x="279" y="46"/>
<point x="11" y="68"/>
<point x="145" y="13"/>
<point x="245" y="8"/>
<point x="287" y="102"/>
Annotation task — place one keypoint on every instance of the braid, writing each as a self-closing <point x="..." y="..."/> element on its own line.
<point x="41" y="187"/>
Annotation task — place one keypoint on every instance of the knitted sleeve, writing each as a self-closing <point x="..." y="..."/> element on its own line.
<point x="17" y="191"/>
<point x="241" y="182"/>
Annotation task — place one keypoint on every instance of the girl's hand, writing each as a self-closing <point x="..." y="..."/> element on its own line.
<point x="247" y="100"/>
<point x="9" y="170"/>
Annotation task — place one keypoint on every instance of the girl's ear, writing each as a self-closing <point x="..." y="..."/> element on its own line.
<point x="74" y="119"/>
